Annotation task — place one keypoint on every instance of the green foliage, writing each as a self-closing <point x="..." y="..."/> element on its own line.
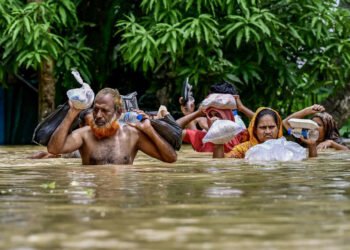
<point x="283" y="49"/>
<point x="345" y="130"/>
<point x="39" y="31"/>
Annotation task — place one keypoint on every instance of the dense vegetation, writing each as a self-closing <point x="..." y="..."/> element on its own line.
<point x="37" y="31"/>
<point x="281" y="53"/>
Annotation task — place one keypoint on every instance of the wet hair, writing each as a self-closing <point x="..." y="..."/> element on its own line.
<point x="266" y="112"/>
<point x="82" y="116"/>
<point x="223" y="88"/>
<point x="330" y="127"/>
<point x="114" y="93"/>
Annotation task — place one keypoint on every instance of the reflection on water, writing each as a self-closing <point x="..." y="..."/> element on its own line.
<point x="196" y="203"/>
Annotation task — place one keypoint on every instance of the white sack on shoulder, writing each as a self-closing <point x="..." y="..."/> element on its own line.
<point x="276" y="150"/>
<point x="82" y="98"/>
<point x="222" y="131"/>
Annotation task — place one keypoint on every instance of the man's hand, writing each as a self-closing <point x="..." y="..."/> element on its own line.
<point x="143" y="126"/>
<point x="188" y="108"/>
<point x="72" y="108"/>
<point x="238" y="102"/>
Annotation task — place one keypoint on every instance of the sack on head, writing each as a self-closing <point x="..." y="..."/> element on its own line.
<point x="220" y="101"/>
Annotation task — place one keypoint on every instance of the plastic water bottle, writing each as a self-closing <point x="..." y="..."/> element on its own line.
<point x="131" y="117"/>
<point x="238" y="119"/>
<point x="306" y="133"/>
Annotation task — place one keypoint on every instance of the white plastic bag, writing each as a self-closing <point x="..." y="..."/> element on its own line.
<point x="222" y="131"/>
<point x="276" y="150"/>
<point x="82" y="98"/>
<point x="221" y="101"/>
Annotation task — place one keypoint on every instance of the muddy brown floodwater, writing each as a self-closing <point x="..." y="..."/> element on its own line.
<point x="196" y="203"/>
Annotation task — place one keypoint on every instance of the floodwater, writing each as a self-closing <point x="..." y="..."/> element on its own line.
<point x="196" y="203"/>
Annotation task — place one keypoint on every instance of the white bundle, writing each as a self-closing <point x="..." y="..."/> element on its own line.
<point x="276" y="150"/>
<point x="220" y="101"/>
<point x="222" y="131"/>
<point x="82" y="98"/>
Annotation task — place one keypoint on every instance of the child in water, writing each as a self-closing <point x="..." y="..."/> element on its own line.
<point x="329" y="136"/>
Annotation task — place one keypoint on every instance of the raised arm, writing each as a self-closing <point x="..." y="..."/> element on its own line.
<point x="152" y="144"/>
<point x="186" y="109"/>
<point x="60" y="142"/>
<point x="302" y="113"/>
<point x="183" y="121"/>
<point x="241" y="108"/>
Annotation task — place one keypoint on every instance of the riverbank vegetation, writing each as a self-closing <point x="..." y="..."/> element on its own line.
<point x="279" y="53"/>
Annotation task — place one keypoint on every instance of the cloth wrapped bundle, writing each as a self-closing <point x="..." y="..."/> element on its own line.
<point x="220" y="101"/>
<point x="276" y="150"/>
<point x="222" y="131"/>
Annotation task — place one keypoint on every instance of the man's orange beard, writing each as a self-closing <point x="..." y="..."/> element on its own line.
<point x="105" y="131"/>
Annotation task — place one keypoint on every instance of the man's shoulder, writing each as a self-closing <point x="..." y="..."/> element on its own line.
<point x="128" y="130"/>
<point x="82" y="130"/>
<point x="85" y="133"/>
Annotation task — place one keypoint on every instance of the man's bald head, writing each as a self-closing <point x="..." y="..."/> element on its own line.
<point x="114" y="93"/>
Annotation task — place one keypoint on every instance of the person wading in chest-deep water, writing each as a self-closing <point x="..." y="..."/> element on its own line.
<point x="104" y="141"/>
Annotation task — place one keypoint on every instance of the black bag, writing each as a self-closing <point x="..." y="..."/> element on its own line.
<point x="168" y="129"/>
<point x="45" y="128"/>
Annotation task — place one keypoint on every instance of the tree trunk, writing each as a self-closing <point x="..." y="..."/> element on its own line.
<point x="338" y="105"/>
<point x="165" y="94"/>
<point x="47" y="84"/>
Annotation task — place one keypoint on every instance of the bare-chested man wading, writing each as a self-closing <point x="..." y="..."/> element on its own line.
<point x="104" y="141"/>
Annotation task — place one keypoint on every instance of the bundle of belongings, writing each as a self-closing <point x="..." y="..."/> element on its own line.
<point x="276" y="150"/>
<point x="222" y="131"/>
